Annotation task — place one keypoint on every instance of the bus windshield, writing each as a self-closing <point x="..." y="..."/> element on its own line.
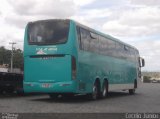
<point x="48" y="32"/>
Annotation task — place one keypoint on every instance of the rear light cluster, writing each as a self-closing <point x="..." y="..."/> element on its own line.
<point x="73" y="67"/>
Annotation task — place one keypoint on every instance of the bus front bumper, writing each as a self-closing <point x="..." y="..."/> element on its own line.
<point x="58" y="87"/>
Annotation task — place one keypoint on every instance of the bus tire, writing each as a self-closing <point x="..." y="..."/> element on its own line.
<point x="104" y="92"/>
<point x="94" y="94"/>
<point x="135" y="84"/>
<point x="132" y="91"/>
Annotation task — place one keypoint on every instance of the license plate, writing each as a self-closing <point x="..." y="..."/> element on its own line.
<point x="46" y="85"/>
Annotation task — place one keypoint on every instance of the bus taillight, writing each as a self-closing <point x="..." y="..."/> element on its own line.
<point x="73" y="67"/>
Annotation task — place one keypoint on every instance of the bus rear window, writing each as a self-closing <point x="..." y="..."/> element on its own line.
<point x="48" y="32"/>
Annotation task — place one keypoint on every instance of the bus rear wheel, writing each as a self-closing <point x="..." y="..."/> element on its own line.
<point x="94" y="94"/>
<point x="104" y="92"/>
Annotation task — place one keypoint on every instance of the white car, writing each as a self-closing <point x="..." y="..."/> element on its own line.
<point x="154" y="81"/>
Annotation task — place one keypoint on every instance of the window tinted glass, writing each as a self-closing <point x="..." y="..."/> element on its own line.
<point x="119" y="50"/>
<point x="48" y="32"/>
<point x="103" y="45"/>
<point x="111" y="48"/>
<point x="79" y="37"/>
<point x="94" y="43"/>
<point x="85" y="39"/>
<point x="100" y="44"/>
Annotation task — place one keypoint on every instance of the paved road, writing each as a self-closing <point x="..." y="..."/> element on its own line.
<point x="146" y="99"/>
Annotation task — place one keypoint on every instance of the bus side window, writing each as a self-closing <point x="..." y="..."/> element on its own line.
<point x="85" y="39"/>
<point x="111" y="48"/>
<point x="119" y="50"/>
<point x="94" y="43"/>
<point x="79" y="37"/>
<point x="103" y="45"/>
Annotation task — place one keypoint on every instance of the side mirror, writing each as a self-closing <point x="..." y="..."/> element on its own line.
<point x="141" y="62"/>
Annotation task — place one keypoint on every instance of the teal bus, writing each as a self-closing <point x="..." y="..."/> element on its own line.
<point x="63" y="57"/>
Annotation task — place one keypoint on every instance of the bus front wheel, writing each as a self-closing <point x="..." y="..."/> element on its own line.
<point x="132" y="91"/>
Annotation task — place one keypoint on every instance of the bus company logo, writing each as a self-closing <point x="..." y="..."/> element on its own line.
<point x="52" y="49"/>
<point x="40" y="52"/>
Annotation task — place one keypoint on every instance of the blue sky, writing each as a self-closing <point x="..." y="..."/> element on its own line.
<point x="135" y="22"/>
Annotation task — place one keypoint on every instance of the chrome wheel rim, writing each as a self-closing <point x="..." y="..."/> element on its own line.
<point x="94" y="94"/>
<point x="104" y="91"/>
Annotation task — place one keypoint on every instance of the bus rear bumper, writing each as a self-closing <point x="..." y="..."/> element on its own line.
<point x="58" y="87"/>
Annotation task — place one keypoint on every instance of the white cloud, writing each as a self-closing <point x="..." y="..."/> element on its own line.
<point x="55" y="8"/>
<point x="10" y="33"/>
<point x="135" y="22"/>
<point x="150" y="51"/>
<point x="22" y="12"/>
<point x="83" y="2"/>
<point x="146" y="2"/>
<point x="93" y="18"/>
<point x="16" y="14"/>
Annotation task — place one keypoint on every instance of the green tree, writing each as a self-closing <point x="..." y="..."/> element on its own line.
<point x="18" y="59"/>
<point x="146" y="79"/>
<point x="5" y="57"/>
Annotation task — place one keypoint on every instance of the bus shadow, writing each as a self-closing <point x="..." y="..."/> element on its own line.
<point x="72" y="99"/>
<point x="15" y="95"/>
<point x="112" y="95"/>
<point x="81" y="98"/>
